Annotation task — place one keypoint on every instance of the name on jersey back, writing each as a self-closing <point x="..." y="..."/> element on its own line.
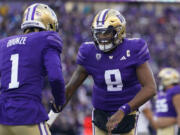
<point x="17" y="41"/>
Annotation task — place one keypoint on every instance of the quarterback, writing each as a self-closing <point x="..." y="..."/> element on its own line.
<point x="24" y="62"/>
<point x="122" y="77"/>
<point x="167" y="110"/>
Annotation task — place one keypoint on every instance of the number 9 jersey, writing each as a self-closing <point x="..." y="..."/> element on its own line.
<point x="114" y="73"/>
<point x="24" y="62"/>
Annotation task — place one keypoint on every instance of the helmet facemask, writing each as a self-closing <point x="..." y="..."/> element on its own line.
<point x="106" y="39"/>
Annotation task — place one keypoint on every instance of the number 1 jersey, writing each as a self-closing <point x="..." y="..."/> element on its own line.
<point x="114" y="74"/>
<point x="24" y="62"/>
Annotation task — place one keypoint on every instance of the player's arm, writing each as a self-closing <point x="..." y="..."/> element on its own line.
<point x="176" y="103"/>
<point x="163" y="122"/>
<point x="76" y="80"/>
<point x="52" y="63"/>
<point x="79" y="75"/>
<point x="149" y="115"/>
<point x="148" y="90"/>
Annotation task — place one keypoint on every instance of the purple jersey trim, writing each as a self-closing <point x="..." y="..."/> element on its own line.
<point x="45" y="128"/>
<point x="40" y="129"/>
<point x="144" y="54"/>
<point x="143" y="49"/>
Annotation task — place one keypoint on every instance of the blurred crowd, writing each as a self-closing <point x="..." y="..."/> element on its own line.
<point x="158" y="24"/>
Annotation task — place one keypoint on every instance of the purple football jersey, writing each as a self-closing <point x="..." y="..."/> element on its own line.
<point x="24" y="62"/>
<point x="164" y="103"/>
<point x="114" y="74"/>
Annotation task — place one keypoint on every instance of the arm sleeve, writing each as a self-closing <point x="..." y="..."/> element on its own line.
<point x="52" y="63"/>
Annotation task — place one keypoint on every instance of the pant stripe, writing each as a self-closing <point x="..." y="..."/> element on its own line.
<point x="43" y="130"/>
<point x="40" y="129"/>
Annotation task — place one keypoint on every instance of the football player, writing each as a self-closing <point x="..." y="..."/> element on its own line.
<point x="122" y="76"/>
<point x="167" y="104"/>
<point x="24" y="62"/>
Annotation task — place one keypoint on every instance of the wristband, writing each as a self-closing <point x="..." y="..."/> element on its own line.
<point x="125" y="108"/>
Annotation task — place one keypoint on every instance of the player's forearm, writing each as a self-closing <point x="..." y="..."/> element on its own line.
<point x="76" y="80"/>
<point x="71" y="88"/>
<point x="176" y="103"/>
<point x="152" y="123"/>
<point x="69" y="93"/>
<point x="142" y="96"/>
<point x="149" y="115"/>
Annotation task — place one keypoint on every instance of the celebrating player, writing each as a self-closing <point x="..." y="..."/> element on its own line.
<point x="122" y="77"/>
<point x="24" y="62"/>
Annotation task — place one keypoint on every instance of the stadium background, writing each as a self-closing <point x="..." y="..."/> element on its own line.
<point x="158" y="22"/>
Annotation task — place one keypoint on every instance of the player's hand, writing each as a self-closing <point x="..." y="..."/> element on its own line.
<point x="114" y="120"/>
<point x="55" y="108"/>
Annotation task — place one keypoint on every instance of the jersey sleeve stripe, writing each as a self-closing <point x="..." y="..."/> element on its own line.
<point x="142" y="49"/>
<point x="144" y="53"/>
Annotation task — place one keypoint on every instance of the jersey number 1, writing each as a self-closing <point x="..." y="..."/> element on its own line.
<point x="14" y="71"/>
